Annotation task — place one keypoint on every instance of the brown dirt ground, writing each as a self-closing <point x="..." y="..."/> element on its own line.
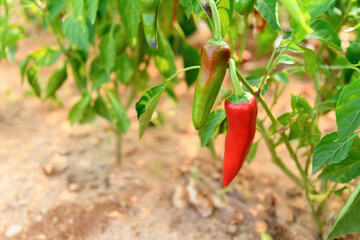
<point x="62" y="182"/>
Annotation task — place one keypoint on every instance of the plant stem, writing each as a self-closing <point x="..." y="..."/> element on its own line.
<point x="320" y="50"/>
<point x="180" y="71"/>
<point x="308" y="160"/>
<point x="275" y="158"/>
<point x="180" y="31"/>
<point x="211" y="146"/>
<point x="131" y="97"/>
<point x="245" y="82"/>
<point x="274" y="121"/>
<point x="118" y="134"/>
<point x="206" y="7"/>
<point x="350" y="184"/>
<point x="272" y="65"/>
<point x="119" y="137"/>
<point x="346" y="15"/>
<point x="216" y="20"/>
<point x="243" y="38"/>
<point x="282" y="135"/>
<point x="278" y="95"/>
<point x="238" y="90"/>
<point x="6" y="7"/>
<point x="267" y="69"/>
<point x="57" y="33"/>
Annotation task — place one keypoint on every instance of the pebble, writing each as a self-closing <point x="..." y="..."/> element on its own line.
<point x="41" y="237"/>
<point x="13" y="230"/>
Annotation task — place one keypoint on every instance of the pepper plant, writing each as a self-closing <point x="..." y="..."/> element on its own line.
<point x="336" y="80"/>
<point x="104" y="49"/>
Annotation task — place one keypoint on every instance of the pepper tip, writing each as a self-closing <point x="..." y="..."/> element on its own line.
<point x="153" y="44"/>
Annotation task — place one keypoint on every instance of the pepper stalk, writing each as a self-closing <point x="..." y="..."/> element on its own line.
<point x="213" y="16"/>
<point x="239" y="94"/>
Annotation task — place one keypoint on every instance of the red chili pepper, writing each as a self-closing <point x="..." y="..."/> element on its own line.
<point x="241" y="131"/>
<point x="260" y="21"/>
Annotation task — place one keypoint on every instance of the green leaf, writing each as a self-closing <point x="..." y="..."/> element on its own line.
<point x="4" y="25"/>
<point x="339" y="192"/>
<point x="164" y="57"/>
<point x="282" y="76"/>
<point x="331" y="150"/>
<point x="300" y="105"/>
<point x="32" y="77"/>
<point x="78" y="12"/>
<point x="78" y="70"/>
<point x="56" y="79"/>
<point x="284" y="120"/>
<point x="101" y="108"/>
<point x="299" y="32"/>
<point x="255" y="82"/>
<point x="130" y="14"/>
<point x="45" y="56"/>
<point x="91" y="7"/>
<point x="324" y="32"/>
<point x="225" y="9"/>
<point x="88" y="115"/>
<point x="303" y="128"/>
<point x="55" y="7"/>
<point x="265" y="40"/>
<point x="343" y="63"/>
<point x="189" y="6"/>
<point x="121" y="119"/>
<point x="353" y="51"/>
<point x="23" y="66"/>
<point x="107" y="52"/>
<point x="125" y="67"/>
<point x="77" y="111"/>
<point x="268" y="10"/>
<point x="344" y="171"/>
<point x="146" y="106"/>
<point x="252" y="152"/>
<point x="310" y="59"/>
<point x="294" y="48"/>
<point x="208" y="131"/>
<point x="317" y="7"/>
<point x="310" y="134"/>
<point x="75" y="33"/>
<point x="347" y="109"/>
<point x="293" y="8"/>
<point x="349" y="216"/>
<point x="98" y="74"/>
<point x="286" y="59"/>
<point x="356" y="144"/>
<point x="191" y="57"/>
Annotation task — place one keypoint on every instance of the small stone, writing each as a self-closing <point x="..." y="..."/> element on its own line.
<point x="179" y="198"/>
<point x="57" y="164"/>
<point x="114" y="214"/>
<point x="41" y="237"/>
<point x="232" y="229"/>
<point x="73" y="187"/>
<point x="13" y="230"/>
<point x="283" y="213"/>
<point x="239" y="216"/>
<point x="200" y="199"/>
<point x="38" y="218"/>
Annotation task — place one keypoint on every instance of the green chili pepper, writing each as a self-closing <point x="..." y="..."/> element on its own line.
<point x="149" y="9"/>
<point x="214" y="60"/>
<point x="244" y="7"/>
